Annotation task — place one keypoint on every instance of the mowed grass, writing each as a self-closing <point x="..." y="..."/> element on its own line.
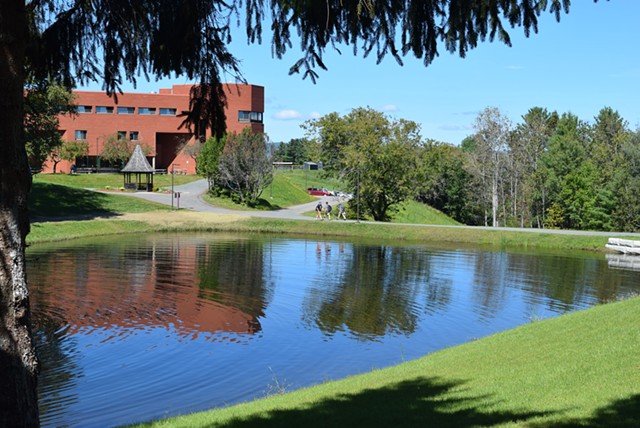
<point x="283" y="192"/>
<point x="414" y="212"/>
<point x="581" y="369"/>
<point x="114" y="181"/>
<point x="52" y="201"/>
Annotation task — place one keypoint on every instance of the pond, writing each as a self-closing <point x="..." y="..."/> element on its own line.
<point x="139" y="328"/>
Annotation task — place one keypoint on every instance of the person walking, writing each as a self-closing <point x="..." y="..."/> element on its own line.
<point x="341" y="212"/>
<point x="319" y="210"/>
<point x="328" y="211"/>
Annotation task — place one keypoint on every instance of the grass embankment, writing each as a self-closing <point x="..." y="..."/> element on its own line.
<point x="285" y="191"/>
<point x="581" y="369"/>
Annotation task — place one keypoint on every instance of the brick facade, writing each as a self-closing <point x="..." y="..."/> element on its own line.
<point x="151" y="119"/>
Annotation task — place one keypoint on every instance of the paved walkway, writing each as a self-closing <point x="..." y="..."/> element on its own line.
<point x="191" y="199"/>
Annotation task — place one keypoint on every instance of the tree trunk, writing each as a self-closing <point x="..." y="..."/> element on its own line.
<point x="494" y="198"/>
<point x="18" y="362"/>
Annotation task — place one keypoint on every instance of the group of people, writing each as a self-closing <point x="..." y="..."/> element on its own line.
<point x="325" y="212"/>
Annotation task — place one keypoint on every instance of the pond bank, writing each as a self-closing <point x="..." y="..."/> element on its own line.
<point x="181" y="220"/>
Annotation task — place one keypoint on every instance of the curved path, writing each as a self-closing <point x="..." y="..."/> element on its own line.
<point x="191" y="199"/>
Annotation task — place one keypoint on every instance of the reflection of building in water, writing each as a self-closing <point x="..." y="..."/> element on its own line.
<point x="136" y="289"/>
<point x="623" y="261"/>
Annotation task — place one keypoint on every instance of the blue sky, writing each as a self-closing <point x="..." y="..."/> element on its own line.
<point x="587" y="61"/>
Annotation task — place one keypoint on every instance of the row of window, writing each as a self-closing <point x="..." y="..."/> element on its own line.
<point x="243" y="116"/>
<point x="164" y="111"/>
<point x="81" y="135"/>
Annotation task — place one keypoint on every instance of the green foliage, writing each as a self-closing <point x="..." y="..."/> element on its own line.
<point x="374" y="156"/>
<point x="118" y="150"/>
<point x="244" y="167"/>
<point x="443" y="181"/>
<point x="209" y="160"/>
<point x="294" y="151"/>
<point x="70" y="150"/>
<point x="43" y="103"/>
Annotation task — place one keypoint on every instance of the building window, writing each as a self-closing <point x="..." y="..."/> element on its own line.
<point x="243" y="116"/>
<point x="126" y="110"/>
<point x="164" y="111"/>
<point x="250" y="116"/>
<point x="133" y="135"/>
<point x="256" y="116"/>
<point x="146" y="110"/>
<point x="122" y="135"/>
<point x="81" y="135"/>
<point x="83" y="109"/>
<point x="104" y="109"/>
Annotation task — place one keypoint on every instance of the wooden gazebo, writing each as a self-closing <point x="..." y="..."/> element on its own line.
<point x="135" y="169"/>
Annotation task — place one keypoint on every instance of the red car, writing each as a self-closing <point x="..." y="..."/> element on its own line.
<point x="318" y="192"/>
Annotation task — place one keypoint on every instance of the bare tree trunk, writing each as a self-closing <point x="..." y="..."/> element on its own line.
<point x="494" y="196"/>
<point x="18" y="362"/>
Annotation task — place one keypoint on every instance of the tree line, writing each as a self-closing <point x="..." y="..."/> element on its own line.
<point x="550" y="170"/>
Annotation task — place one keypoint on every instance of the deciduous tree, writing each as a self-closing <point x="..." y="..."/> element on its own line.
<point x="209" y="161"/>
<point x="44" y="102"/>
<point x="245" y="166"/>
<point x="492" y="132"/>
<point x="376" y="156"/>
<point x="71" y="150"/>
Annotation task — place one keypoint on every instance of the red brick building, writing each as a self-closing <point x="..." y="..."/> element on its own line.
<point x="151" y="119"/>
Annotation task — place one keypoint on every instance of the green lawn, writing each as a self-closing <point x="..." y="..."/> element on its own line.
<point x="50" y="201"/>
<point x="414" y="212"/>
<point x="101" y="181"/>
<point x="581" y="369"/>
<point x="284" y="192"/>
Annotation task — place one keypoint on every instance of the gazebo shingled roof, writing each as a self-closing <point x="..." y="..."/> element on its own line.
<point x="138" y="162"/>
<point x="138" y="165"/>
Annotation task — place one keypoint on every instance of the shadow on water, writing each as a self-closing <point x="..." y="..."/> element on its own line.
<point x="417" y="403"/>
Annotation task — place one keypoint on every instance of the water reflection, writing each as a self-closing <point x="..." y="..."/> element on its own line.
<point x="373" y="291"/>
<point x="135" y="330"/>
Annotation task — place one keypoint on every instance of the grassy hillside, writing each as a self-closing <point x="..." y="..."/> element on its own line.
<point x="581" y="369"/>
<point x="414" y="212"/>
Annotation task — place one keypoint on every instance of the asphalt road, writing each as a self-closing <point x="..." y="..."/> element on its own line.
<point x="191" y="199"/>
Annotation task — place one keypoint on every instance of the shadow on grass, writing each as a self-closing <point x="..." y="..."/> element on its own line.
<point x="619" y="414"/>
<point x="418" y="403"/>
<point x="55" y="202"/>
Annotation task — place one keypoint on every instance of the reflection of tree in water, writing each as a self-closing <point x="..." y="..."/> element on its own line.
<point x="489" y="291"/>
<point x="558" y="281"/>
<point x="233" y="273"/>
<point x="375" y="293"/>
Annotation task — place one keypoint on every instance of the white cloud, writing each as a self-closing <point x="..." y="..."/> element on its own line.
<point x="390" y="107"/>
<point x="287" y="115"/>
<point x="314" y="115"/>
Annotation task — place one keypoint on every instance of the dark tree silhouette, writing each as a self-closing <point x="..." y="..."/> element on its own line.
<point x="73" y="42"/>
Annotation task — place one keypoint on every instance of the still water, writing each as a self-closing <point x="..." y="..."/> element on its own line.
<point x="133" y="329"/>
